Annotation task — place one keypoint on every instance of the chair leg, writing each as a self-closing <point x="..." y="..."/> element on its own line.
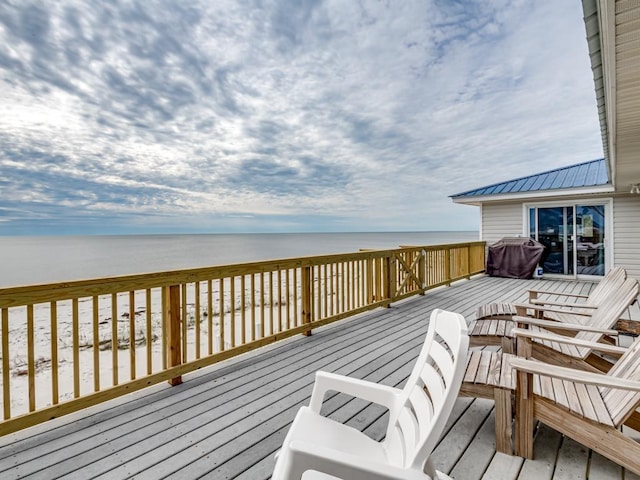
<point x="507" y="345"/>
<point x="524" y="415"/>
<point x="503" y="420"/>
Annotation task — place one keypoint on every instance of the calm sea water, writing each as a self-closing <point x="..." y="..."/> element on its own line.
<point x="33" y="260"/>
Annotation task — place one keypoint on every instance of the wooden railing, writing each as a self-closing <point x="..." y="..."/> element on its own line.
<point x="68" y="346"/>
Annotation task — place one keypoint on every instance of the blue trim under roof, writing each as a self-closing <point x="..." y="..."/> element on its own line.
<point x="587" y="174"/>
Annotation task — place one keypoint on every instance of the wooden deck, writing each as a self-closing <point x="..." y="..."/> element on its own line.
<point x="227" y="421"/>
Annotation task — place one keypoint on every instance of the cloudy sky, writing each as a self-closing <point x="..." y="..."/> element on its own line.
<point x="281" y="115"/>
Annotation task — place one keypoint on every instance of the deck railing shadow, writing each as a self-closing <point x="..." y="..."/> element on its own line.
<point x="67" y="346"/>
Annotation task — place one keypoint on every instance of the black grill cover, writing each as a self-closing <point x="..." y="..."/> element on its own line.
<point x="514" y="257"/>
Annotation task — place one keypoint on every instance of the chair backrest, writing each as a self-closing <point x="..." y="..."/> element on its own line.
<point x="430" y="392"/>
<point x="609" y="311"/>
<point x="608" y="283"/>
<point x="622" y="403"/>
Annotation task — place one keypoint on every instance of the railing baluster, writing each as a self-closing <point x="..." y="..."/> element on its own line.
<point x="288" y="299"/>
<point x="165" y="326"/>
<point x="6" y="385"/>
<point x="295" y="297"/>
<point x="183" y="322"/>
<point x="363" y="283"/>
<point x="271" y="321"/>
<point x="342" y="289"/>
<point x="53" y="316"/>
<point x="243" y="306"/>
<point x="262" y="318"/>
<point x="96" y="343"/>
<point x="197" y="318"/>
<point x="331" y="298"/>
<point x="114" y="338"/>
<point x="221" y="313"/>
<point x="31" y="369"/>
<point x="76" y="348"/>
<point x="324" y="289"/>
<point x="132" y="334"/>
<point x="232" y="310"/>
<point x="369" y="280"/>
<point x="279" y="288"/>
<point x="254" y="333"/>
<point x="210" y="331"/>
<point x="422" y="271"/>
<point x="307" y="296"/>
<point x="149" y="328"/>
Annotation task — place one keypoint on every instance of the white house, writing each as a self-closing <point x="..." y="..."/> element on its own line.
<point x="587" y="215"/>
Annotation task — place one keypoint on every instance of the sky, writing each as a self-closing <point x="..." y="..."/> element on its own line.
<point x="132" y="117"/>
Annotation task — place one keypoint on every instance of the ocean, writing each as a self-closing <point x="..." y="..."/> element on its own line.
<point x="37" y="260"/>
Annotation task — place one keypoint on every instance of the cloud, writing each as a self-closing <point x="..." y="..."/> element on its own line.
<point x="270" y="115"/>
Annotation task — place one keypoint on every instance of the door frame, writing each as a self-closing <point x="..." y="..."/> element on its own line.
<point x="608" y="230"/>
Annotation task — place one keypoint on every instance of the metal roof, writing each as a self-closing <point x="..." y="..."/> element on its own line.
<point x="587" y="174"/>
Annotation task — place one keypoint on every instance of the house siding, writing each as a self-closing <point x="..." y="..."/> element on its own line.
<point x="505" y="220"/>
<point x="501" y="220"/>
<point x="626" y="233"/>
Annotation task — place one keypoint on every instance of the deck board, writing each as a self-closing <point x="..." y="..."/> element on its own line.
<point x="228" y="420"/>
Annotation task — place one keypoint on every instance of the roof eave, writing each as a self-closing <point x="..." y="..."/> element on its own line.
<point x="564" y="192"/>
<point x="601" y="44"/>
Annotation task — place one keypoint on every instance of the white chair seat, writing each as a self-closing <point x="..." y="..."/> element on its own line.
<point x="326" y="433"/>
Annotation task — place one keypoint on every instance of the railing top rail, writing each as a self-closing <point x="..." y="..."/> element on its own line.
<point x="446" y="245"/>
<point x="41" y="293"/>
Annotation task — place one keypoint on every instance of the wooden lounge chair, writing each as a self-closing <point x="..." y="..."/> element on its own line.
<point x="588" y="407"/>
<point x="489" y="374"/>
<point x="592" y="326"/>
<point x="493" y="323"/>
<point x="417" y="415"/>
<point x="596" y="327"/>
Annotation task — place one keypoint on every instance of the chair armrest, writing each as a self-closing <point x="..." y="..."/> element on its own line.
<point x="563" y="326"/>
<point x="573" y="375"/>
<point x="541" y="308"/>
<point x="337" y="463"/>
<point x="369" y="391"/>
<point x="602" y="347"/>
<point x="560" y="294"/>
<point x="538" y="301"/>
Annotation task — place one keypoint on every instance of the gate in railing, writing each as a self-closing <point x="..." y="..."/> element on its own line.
<point x="71" y="345"/>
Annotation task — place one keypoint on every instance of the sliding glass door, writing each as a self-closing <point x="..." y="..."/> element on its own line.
<point x="590" y="225"/>
<point x="573" y="236"/>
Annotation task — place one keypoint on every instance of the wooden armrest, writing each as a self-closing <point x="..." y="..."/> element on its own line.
<point x="538" y="301"/>
<point x="572" y="375"/>
<point x="540" y="308"/>
<point x="560" y="294"/>
<point x="551" y="337"/>
<point x="563" y="326"/>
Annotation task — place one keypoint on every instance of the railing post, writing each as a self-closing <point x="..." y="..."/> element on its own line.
<point x="422" y="271"/>
<point x="307" y="296"/>
<point x="447" y="265"/>
<point x="370" y="294"/>
<point x="390" y="287"/>
<point x="468" y="262"/>
<point x="172" y="324"/>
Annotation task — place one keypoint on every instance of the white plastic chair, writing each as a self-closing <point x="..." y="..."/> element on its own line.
<point x="326" y="449"/>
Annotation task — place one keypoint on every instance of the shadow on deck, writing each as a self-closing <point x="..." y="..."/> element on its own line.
<point x="228" y="420"/>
